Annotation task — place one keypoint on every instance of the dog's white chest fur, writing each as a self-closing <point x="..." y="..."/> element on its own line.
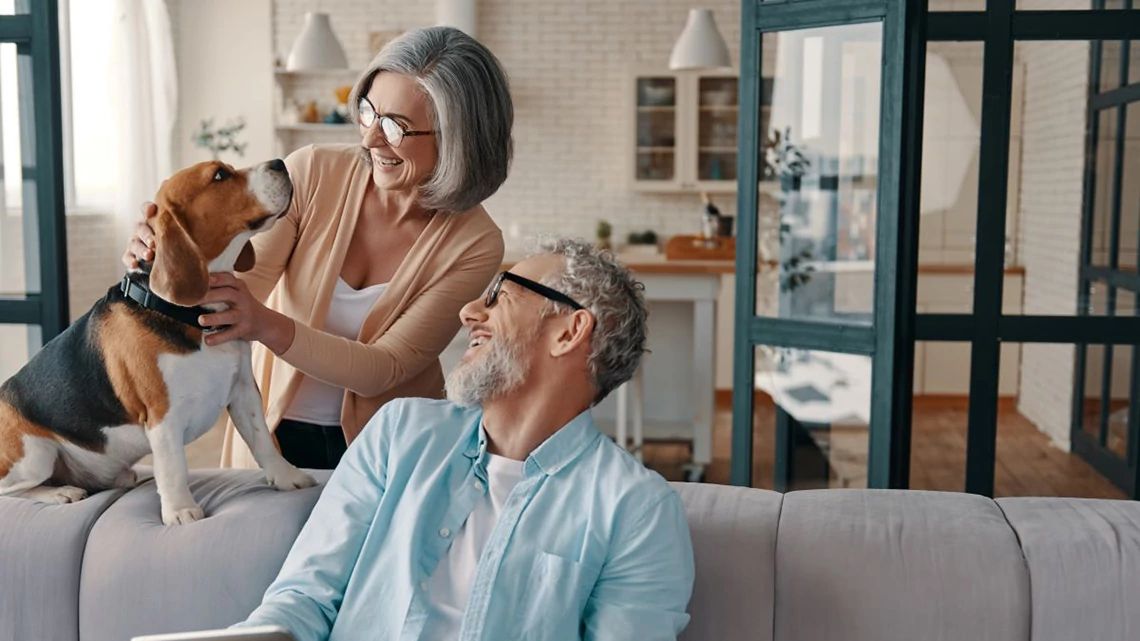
<point x="199" y="385"/>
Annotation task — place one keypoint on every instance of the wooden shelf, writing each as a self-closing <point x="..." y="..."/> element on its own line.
<point x="655" y="150"/>
<point x="652" y="109"/>
<point x="718" y="150"/>
<point x="316" y="73"/>
<point x="719" y="107"/>
<point x="322" y="127"/>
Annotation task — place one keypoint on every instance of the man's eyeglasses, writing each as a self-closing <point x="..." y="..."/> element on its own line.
<point x="393" y="132"/>
<point x="492" y="295"/>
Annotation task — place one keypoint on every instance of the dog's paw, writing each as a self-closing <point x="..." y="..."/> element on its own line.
<point x="182" y="515"/>
<point x="57" y="495"/>
<point x="287" y="477"/>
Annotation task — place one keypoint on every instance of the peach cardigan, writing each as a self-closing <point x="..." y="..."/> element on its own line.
<point x="397" y="354"/>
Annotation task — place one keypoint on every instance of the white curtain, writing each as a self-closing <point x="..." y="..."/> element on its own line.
<point x="144" y="83"/>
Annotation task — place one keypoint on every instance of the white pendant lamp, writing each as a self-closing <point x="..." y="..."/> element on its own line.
<point x="316" y="47"/>
<point x="700" y="45"/>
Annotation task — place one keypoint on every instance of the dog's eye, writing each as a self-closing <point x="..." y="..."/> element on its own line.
<point x="221" y="175"/>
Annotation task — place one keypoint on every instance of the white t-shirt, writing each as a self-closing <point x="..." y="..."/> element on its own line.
<point x="318" y="402"/>
<point x="450" y="584"/>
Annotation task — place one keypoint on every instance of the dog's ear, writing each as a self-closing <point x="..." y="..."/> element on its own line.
<point x="246" y="259"/>
<point x="179" y="273"/>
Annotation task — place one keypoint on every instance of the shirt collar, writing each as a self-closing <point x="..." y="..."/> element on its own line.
<point x="555" y="453"/>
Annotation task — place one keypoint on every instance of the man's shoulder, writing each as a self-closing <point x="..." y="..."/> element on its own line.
<point x="632" y="486"/>
<point x="412" y="418"/>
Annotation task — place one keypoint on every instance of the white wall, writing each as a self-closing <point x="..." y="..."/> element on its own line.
<point x="224" y="54"/>
<point x="569" y="64"/>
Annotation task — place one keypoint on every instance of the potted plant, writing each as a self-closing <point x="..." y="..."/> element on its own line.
<point x="604" y="232"/>
<point x="784" y="160"/>
<point x="220" y="139"/>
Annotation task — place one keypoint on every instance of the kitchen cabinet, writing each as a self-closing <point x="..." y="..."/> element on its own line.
<point x="683" y="131"/>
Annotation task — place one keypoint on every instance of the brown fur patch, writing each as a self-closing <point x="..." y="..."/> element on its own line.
<point x="130" y="352"/>
<point x="196" y="219"/>
<point x="13" y="427"/>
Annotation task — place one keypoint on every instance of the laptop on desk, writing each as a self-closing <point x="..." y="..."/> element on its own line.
<point x="260" y="633"/>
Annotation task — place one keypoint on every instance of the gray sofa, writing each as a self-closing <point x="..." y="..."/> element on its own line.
<point x="815" y="566"/>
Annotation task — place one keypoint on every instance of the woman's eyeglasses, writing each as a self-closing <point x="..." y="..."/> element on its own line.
<point x="393" y="132"/>
<point x="492" y="295"/>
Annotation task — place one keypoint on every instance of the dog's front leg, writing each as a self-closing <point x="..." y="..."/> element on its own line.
<point x="249" y="418"/>
<point x="170" y="474"/>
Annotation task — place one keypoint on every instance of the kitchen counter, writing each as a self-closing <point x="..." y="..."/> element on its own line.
<point x="644" y="263"/>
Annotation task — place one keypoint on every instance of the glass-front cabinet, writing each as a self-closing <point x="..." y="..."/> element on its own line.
<point x="684" y="130"/>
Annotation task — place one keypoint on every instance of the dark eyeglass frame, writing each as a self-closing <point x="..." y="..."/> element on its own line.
<point x="492" y="295"/>
<point x="377" y="118"/>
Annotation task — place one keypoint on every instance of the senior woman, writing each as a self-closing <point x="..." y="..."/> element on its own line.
<point x="357" y="290"/>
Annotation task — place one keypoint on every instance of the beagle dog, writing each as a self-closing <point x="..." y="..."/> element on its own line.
<point x="134" y="376"/>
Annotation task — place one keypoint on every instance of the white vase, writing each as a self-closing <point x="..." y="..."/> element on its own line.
<point x="317" y="46"/>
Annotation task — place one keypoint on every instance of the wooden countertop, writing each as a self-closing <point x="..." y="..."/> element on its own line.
<point x="658" y="264"/>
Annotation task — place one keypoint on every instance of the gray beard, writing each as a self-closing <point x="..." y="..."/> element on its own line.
<point x="493" y="374"/>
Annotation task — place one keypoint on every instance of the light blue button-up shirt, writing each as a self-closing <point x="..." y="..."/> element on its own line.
<point x="589" y="544"/>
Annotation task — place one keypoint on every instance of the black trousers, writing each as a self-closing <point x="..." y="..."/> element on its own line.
<point x="316" y="447"/>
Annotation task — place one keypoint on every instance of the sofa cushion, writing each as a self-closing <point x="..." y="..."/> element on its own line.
<point x="1084" y="566"/>
<point x="734" y="547"/>
<point x="41" y="551"/>
<point x="207" y="574"/>
<point x="881" y="565"/>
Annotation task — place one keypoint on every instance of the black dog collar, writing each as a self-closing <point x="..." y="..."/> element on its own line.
<point x="141" y="294"/>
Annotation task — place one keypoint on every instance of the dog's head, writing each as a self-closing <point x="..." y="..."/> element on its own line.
<point x="205" y="215"/>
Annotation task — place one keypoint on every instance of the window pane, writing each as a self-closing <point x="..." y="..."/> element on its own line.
<point x="93" y="108"/>
<point x="816" y="228"/>
<point x="19" y="232"/>
<point x="1033" y="456"/>
<point x="13" y="7"/>
<point x="939" y="415"/>
<point x="1061" y="5"/>
<point x="819" y="404"/>
<point x="957" y="5"/>
<point x="17" y="344"/>
<point x="949" y="196"/>
<point x="1048" y="176"/>
<point x="1130" y="191"/>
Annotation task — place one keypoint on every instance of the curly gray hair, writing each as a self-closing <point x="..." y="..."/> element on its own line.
<point x="608" y="290"/>
<point x="473" y="111"/>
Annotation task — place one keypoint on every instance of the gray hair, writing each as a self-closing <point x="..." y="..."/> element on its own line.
<point x="606" y="288"/>
<point x="472" y="111"/>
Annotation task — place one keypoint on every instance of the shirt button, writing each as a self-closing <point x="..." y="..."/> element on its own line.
<point x="444" y="532"/>
<point x="478" y="486"/>
<point x="424" y="585"/>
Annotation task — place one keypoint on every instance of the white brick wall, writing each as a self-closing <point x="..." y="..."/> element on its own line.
<point x="569" y="64"/>
<point x="1053" y="131"/>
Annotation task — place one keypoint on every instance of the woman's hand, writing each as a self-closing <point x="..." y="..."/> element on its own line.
<point x="247" y="318"/>
<point x="141" y="245"/>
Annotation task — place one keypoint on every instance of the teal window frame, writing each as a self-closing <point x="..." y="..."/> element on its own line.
<point x="35" y="31"/>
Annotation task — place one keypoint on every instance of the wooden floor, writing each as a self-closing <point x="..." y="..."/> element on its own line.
<point x="1027" y="465"/>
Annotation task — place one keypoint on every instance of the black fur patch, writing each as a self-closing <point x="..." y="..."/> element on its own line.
<point x="65" y="388"/>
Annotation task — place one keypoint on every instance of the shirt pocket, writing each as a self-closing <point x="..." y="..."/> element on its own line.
<point x="556" y="595"/>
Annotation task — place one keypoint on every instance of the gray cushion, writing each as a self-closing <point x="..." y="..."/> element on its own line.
<point x="858" y="565"/>
<point x="41" y="549"/>
<point x="1084" y="566"/>
<point x="734" y="546"/>
<point x="141" y="577"/>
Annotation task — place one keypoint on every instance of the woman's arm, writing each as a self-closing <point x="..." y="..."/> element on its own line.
<point x="412" y="342"/>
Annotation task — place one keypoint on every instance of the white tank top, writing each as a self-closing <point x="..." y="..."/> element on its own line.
<point x="316" y="401"/>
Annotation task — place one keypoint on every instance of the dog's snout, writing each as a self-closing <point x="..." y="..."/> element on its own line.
<point x="277" y="165"/>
